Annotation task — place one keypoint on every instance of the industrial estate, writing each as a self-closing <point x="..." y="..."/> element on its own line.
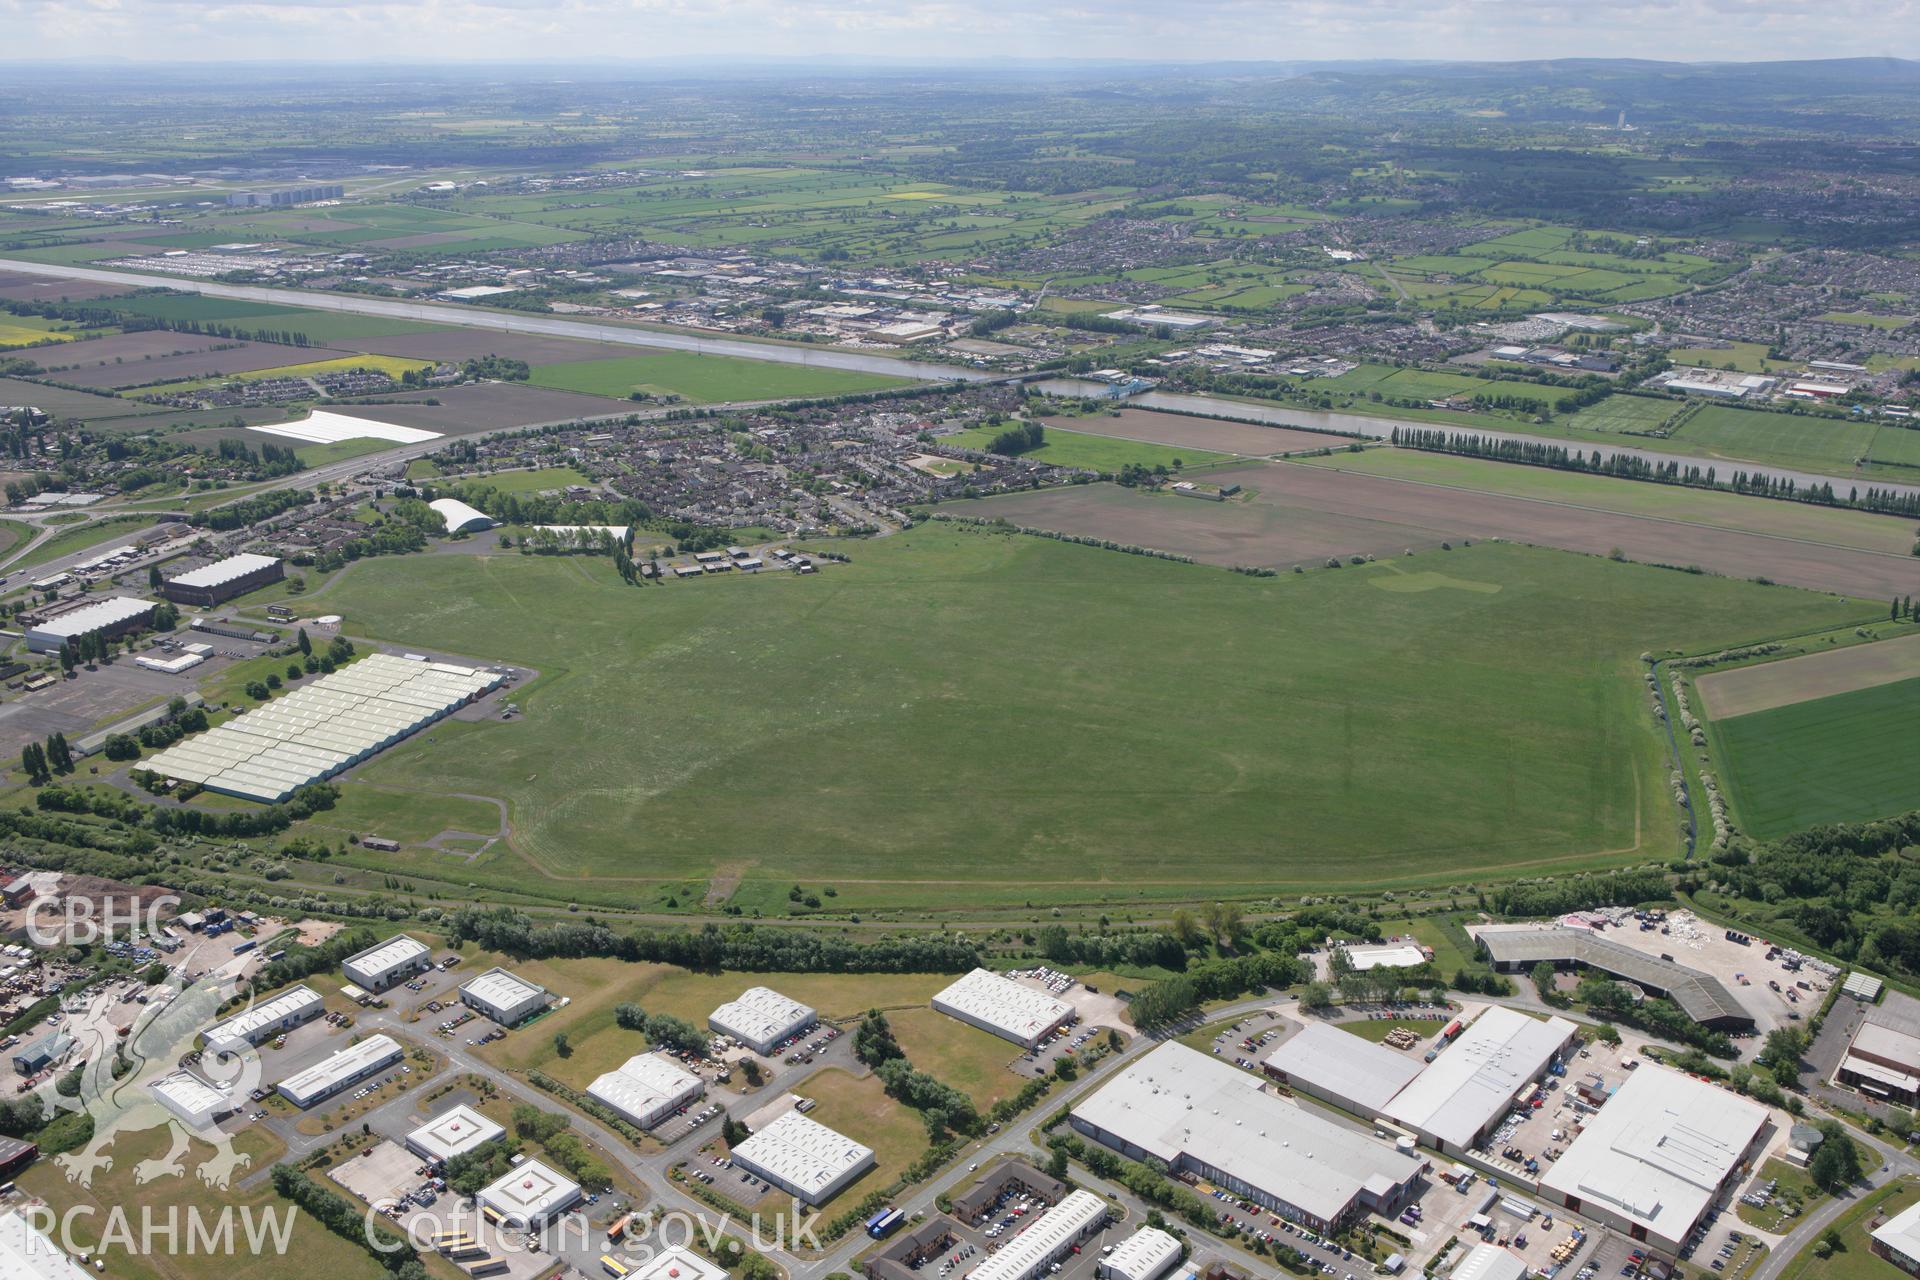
<point x="1078" y="672"/>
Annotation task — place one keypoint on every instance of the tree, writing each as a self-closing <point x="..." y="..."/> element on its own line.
<point x="1225" y="922"/>
<point x="33" y="762"/>
<point x="1781" y="1055"/>
<point x="1836" y="1165"/>
<point x="59" y="754"/>
<point x="1057" y="1164"/>
<point x="750" y="1068"/>
<point x="1316" y="995"/>
<point x="561" y="1045"/>
<point x="67" y="660"/>
<point x="1186" y="929"/>
<point x="153" y="578"/>
<point x="305" y="645"/>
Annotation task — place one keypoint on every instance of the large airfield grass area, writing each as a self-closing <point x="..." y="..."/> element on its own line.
<point x="962" y="718"/>
<point x="703" y="378"/>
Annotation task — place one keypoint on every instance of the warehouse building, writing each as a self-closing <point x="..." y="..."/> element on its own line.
<point x="322" y="727"/>
<point x="676" y="1263"/>
<point x="1657" y="1155"/>
<point x="1490" y="1262"/>
<point x="505" y="997"/>
<point x="222" y="580"/>
<point x="528" y="1195"/>
<point x="114" y="616"/>
<point x="804" y="1158"/>
<point x="27" y="1253"/>
<point x="1059" y="1229"/>
<point x="1897" y="1240"/>
<point x="196" y="1103"/>
<point x="263" y="1022"/>
<point x="1700" y="996"/>
<point x="1883" y="1059"/>
<point x="1463" y="1094"/>
<point x="49" y="1050"/>
<point x="341" y="1070"/>
<point x="761" y="1018"/>
<point x="459" y="517"/>
<point x="1004" y="1007"/>
<point x="1324" y="1062"/>
<point x="454" y="1132"/>
<point x="16" y="1154"/>
<point x="1406" y="954"/>
<point x="386" y="963"/>
<point x="1147" y="1254"/>
<point x="1195" y="1113"/>
<point x="646" y="1089"/>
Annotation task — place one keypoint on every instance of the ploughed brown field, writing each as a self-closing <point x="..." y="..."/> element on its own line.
<point x="123" y="360"/>
<point x="1198" y="433"/>
<point x="17" y="286"/>
<point x="1293" y="514"/>
<point x="1817" y="675"/>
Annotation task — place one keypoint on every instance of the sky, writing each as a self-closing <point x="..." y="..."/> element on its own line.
<point x="940" y="30"/>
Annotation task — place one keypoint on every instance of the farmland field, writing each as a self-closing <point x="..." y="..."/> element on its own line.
<point x="1830" y="445"/>
<point x="1303" y="514"/>
<point x="1847" y="757"/>
<point x="947" y="664"/>
<point x="1069" y="448"/>
<point x="704" y="379"/>
<point x="1190" y="433"/>
<point x="1745" y="690"/>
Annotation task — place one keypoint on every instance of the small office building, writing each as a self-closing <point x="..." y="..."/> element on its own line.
<point x="505" y="997"/>
<point x="384" y="964"/>
<point x="341" y="1070"/>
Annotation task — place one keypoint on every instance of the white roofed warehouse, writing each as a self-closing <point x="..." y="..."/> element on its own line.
<point x="1147" y="1254"/>
<point x="1654" y="1159"/>
<point x="986" y="1000"/>
<point x="1324" y="1062"/>
<point x="342" y="1070"/>
<point x="196" y="1103"/>
<point x="27" y="1253"/>
<point x="266" y="1020"/>
<point x="646" y="1089"/>
<point x="528" y="1195"/>
<point x="1195" y="1113"/>
<point x="454" y="1132"/>
<point x="1466" y="1092"/>
<point x="322" y="728"/>
<point x="1898" y="1240"/>
<point x="222" y="580"/>
<point x="1049" y="1239"/>
<point x="804" y="1158"/>
<point x="761" y="1018"/>
<point x="459" y="517"/>
<point x="505" y="997"/>
<point x="386" y="963"/>
<point x="114" y="616"/>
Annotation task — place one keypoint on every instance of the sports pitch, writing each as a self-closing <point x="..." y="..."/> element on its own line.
<point x="962" y="718"/>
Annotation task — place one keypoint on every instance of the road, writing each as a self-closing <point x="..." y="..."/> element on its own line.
<point x="503" y="322"/>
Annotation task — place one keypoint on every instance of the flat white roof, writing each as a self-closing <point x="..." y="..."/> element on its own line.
<point x="1051" y="1232"/>
<point x="224" y="571"/>
<point x="644" y="1083"/>
<point x="1658" y="1150"/>
<point x="1397" y="955"/>
<point x="1475" y="1079"/>
<point x="27" y="1254"/>
<point x="454" y="1132"/>
<point x="1322" y="1056"/>
<point x="385" y="957"/>
<point x="759" y="1014"/>
<point x="1901" y="1233"/>
<point x="529" y="1192"/>
<point x="676" y="1263"/>
<point x="267" y="1013"/>
<point x="327" y="1074"/>
<point x="1144" y="1254"/>
<point x="1863" y="984"/>
<point x="501" y="989"/>
<point x="1020" y="1012"/>
<point x="1178" y="1101"/>
<point x="1490" y="1262"/>
<point x="101" y="613"/>
<point x="189" y="1095"/>
<point x="803" y="1152"/>
<point x="321" y="727"/>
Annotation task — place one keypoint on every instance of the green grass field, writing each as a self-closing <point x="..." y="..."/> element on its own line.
<point x="1622" y="415"/>
<point x="847" y="729"/>
<point x="1830" y="445"/>
<point x="1106" y="454"/>
<point x="705" y="379"/>
<point x="1855" y="1261"/>
<point x="79" y="537"/>
<point x="1844" y="758"/>
<point x="525" y="481"/>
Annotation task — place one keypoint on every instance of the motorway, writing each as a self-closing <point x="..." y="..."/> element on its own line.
<point x="504" y="322"/>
